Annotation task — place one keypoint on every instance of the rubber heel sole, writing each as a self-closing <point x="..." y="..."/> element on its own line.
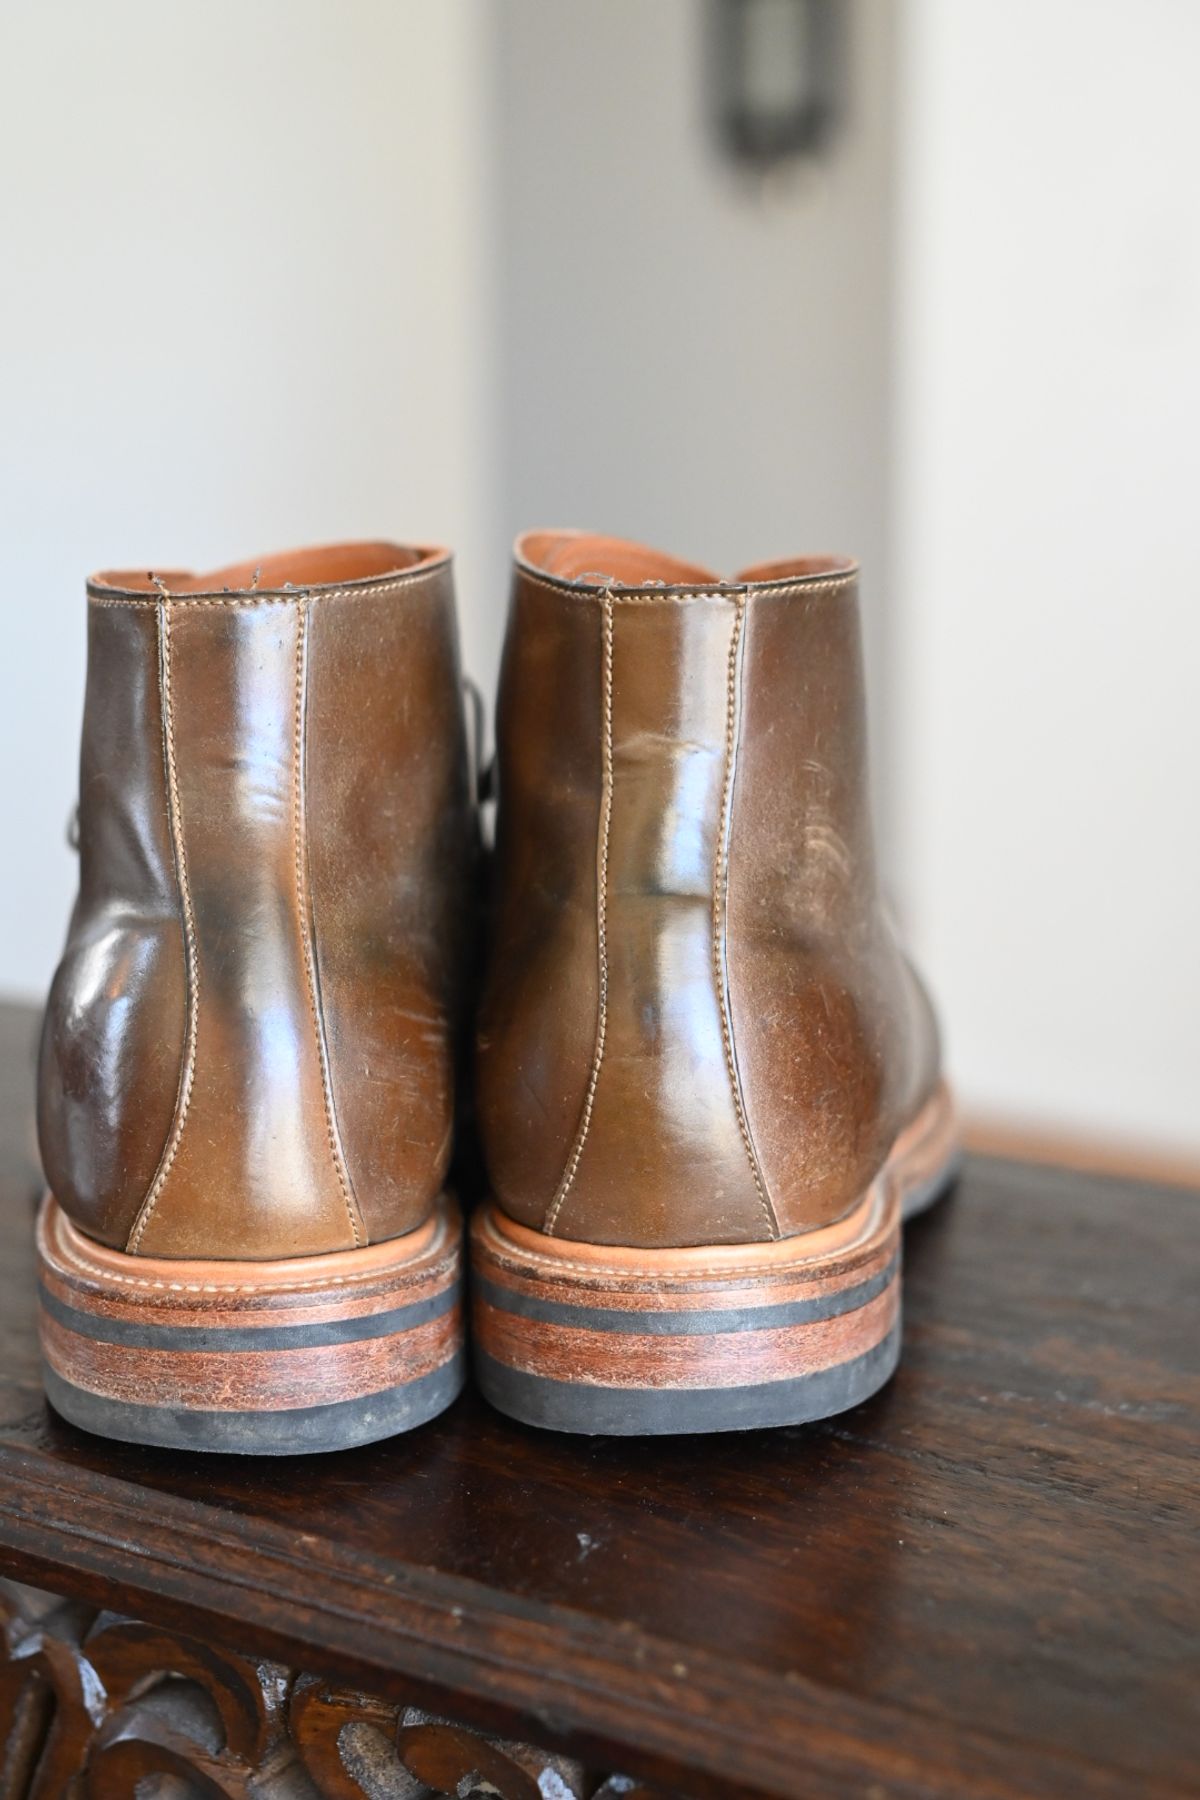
<point x="634" y="1342"/>
<point x="262" y="1358"/>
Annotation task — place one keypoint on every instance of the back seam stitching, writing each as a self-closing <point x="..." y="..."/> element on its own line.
<point x="304" y="921"/>
<point x="719" y="911"/>
<point x="191" y="963"/>
<point x="603" y="835"/>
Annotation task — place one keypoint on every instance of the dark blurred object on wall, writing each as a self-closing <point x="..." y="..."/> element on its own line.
<point x="777" y="71"/>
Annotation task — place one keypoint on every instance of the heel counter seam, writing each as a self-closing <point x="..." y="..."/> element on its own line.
<point x="720" y="948"/>
<point x="305" y="925"/>
<point x="602" y="845"/>
<point x="190" y="961"/>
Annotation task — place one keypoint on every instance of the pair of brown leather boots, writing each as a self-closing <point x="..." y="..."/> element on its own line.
<point x="706" y="1081"/>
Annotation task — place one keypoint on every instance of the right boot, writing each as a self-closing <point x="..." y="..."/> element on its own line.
<point x="709" y="1080"/>
<point x="245" y="1097"/>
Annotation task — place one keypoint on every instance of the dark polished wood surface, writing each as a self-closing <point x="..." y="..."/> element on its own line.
<point x="985" y="1581"/>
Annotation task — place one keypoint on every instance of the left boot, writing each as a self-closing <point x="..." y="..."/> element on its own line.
<point x="246" y="1092"/>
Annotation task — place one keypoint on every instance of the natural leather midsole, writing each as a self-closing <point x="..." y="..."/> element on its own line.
<point x="687" y="1321"/>
<point x="215" y="1337"/>
<point x="718" y="1318"/>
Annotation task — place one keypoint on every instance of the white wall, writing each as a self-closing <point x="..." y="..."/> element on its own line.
<point x="243" y="306"/>
<point x="1046" y="505"/>
<point x="280" y="272"/>
<point x="689" y="359"/>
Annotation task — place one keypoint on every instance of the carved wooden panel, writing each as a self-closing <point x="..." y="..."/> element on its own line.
<point x="94" y="1706"/>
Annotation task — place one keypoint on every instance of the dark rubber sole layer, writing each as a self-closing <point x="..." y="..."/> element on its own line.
<point x="611" y="1340"/>
<point x="258" y="1338"/>
<point x="694" y="1322"/>
<point x="676" y="1412"/>
<point x="274" y="1358"/>
<point x="296" y="1431"/>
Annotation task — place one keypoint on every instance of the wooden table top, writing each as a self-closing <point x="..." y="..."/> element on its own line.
<point x="985" y="1581"/>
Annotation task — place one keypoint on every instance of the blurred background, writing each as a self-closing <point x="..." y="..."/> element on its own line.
<point x="913" y="279"/>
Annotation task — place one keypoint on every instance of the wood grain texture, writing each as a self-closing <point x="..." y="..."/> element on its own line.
<point x="984" y="1582"/>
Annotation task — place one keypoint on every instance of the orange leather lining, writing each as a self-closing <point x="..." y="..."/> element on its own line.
<point x="797" y="568"/>
<point x="590" y="557"/>
<point x="581" y="555"/>
<point x="323" y="566"/>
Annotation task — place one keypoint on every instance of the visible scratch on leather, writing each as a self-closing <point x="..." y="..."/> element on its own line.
<point x="606" y="806"/>
<point x="720" y="888"/>
<point x="191" y="965"/>
<point x="304" y="921"/>
<point x="534" y="1094"/>
<point x="824" y="844"/>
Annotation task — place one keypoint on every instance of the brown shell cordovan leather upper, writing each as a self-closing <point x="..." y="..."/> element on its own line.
<point x="248" y="1045"/>
<point x="697" y="1026"/>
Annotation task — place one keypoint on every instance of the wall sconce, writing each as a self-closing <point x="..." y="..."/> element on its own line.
<point x="777" y="72"/>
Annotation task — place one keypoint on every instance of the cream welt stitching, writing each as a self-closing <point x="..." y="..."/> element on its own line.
<point x="303" y="920"/>
<point x="191" y="966"/>
<point x="250" y="1287"/>
<point x="567" y="591"/>
<point x="876" y="1226"/>
<point x="730" y="1278"/>
<point x="345" y="593"/>
<point x="606" y="807"/>
<point x="733" y="1276"/>
<point x="430" y="1264"/>
<point x="720" y="885"/>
